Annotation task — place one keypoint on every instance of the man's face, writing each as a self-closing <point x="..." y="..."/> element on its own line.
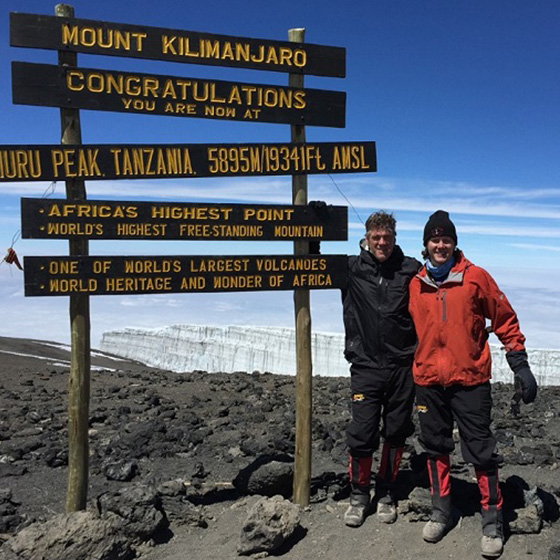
<point x="440" y="249"/>
<point x="381" y="243"/>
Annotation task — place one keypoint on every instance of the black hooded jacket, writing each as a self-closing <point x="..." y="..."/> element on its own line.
<point x="379" y="329"/>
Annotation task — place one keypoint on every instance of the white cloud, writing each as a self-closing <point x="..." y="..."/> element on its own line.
<point x="532" y="247"/>
<point x="528" y="230"/>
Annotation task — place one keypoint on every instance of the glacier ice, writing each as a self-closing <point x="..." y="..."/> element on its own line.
<point x="268" y="349"/>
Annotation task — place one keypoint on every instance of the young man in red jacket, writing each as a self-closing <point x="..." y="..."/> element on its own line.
<point x="450" y="301"/>
<point x="380" y="343"/>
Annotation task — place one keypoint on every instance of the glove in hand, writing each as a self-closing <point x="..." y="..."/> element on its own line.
<point x="320" y="208"/>
<point x="526" y="385"/>
<point x="525" y="382"/>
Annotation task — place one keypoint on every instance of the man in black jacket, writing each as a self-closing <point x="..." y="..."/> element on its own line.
<point x="380" y="344"/>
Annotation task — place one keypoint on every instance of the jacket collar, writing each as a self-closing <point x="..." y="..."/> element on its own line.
<point x="456" y="274"/>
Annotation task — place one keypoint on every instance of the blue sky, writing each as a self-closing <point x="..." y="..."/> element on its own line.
<point x="462" y="98"/>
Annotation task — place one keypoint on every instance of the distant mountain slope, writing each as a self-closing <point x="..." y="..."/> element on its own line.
<point x="18" y="352"/>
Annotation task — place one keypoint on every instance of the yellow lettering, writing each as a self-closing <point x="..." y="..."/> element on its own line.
<point x="227" y="51"/>
<point x="69" y="34"/>
<point x="193" y="283"/>
<point x="72" y="285"/>
<point x="20" y="164"/>
<point x="105" y="38"/>
<point x="169" y="90"/>
<point x="251" y="282"/>
<point x="63" y="267"/>
<point x="74" y="80"/>
<point x="167" y="44"/>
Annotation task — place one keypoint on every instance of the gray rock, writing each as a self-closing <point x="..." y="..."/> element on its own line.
<point x="269" y="475"/>
<point x="180" y="511"/>
<point x="10" y="520"/>
<point x="77" y="536"/>
<point x="418" y="507"/>
<point x="140" y="509"/>
<point x="11" y="470"/>
<point x="5" y="494"/>
<point x="26" y="432"/>
<point x="56" y="456"/>
<point x="554" y="552"/>
<point x="528" y="520"/>
<point x="172" y="488"/>
<point x="532" y="498"/>
<point x="6" y="553"/>
<point x="269" y="524"/>
<point x="122" y="471"/>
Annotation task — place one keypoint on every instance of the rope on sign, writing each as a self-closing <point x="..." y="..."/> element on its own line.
<point x="345" y="198"/>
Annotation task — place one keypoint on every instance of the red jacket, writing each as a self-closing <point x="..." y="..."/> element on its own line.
<point x="450" y="322"/>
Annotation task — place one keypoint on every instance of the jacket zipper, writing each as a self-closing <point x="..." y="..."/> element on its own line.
<point x="441" y="296"/>
<point x="380" y="299"/>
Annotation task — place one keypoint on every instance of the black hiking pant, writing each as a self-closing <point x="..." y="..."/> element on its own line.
<point x="382" y="401"/>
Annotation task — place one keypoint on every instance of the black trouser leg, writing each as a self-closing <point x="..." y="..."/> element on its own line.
<point x="388" y="470"/>
<point x="360" y="478"/>
<point x="491" y="502"/>
<point x="472" y="410"/>
<point x="440" y="480"/>
<point x="383" y="396"/>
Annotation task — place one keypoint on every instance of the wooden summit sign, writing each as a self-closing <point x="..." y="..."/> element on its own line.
<point x="62" y="276"/>
<point x="96" y="219"/>
<point x="57" y="162"/>
<point x="117" y="39"/>
<point x="79" y="275"/>
<point x="112" y="90"/>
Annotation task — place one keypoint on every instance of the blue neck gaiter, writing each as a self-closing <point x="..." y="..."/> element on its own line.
<point x="440" y="273"/>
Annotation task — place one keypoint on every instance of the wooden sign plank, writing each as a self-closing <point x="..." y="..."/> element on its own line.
<point x="118" y="39"/>
<point x="62" y="276"/>
<point x="99" y="219"/>
<point x="56" y="162"/>
<point x="152" y="94"/>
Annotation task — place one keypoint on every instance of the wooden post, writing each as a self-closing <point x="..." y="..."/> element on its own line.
<point x="79" y="386"/>
<point x="304" y="373"/>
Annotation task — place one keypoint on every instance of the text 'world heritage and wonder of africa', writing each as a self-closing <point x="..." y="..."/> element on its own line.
<point x="52" y="276"/>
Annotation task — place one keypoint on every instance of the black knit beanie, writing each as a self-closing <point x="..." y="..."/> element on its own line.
<point x="439" y="225"/>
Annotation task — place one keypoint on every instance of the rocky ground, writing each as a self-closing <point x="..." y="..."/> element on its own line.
<point x="178" y="463"/>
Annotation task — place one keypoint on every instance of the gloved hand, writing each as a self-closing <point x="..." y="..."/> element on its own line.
<point x="525" y="382"/>
<point x="321" y="211"/>
<point x="319" y="207"/>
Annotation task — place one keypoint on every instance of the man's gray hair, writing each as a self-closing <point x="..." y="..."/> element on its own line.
<point x="382" y="220"/>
